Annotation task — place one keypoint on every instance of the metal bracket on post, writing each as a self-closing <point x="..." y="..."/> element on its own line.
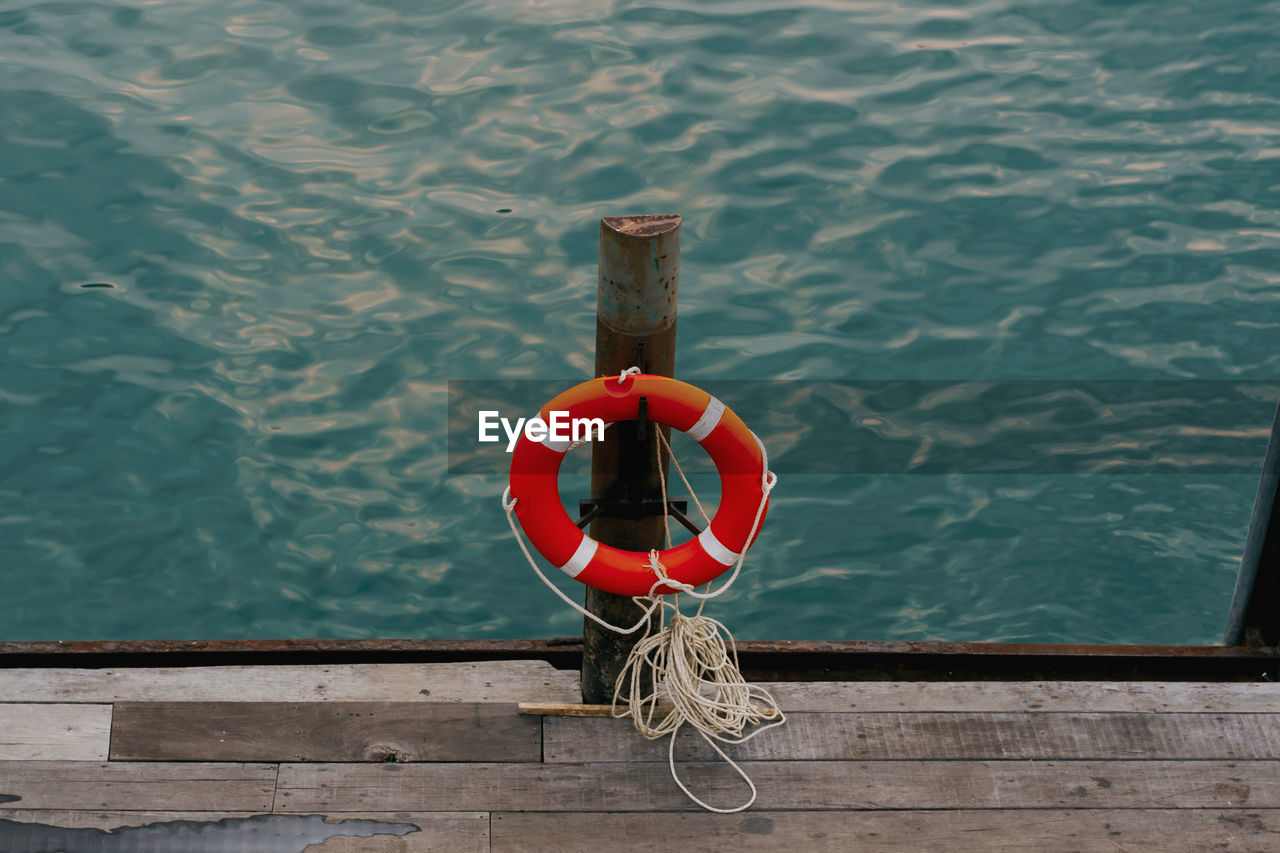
<point x="625" y="502"/>
<point x="593" y="508"/>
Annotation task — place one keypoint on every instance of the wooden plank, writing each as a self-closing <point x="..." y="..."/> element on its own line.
<point x="1140" y="696"/>
<point x="323" y="731"/>
<point x="898" y="735"/>
<point x="531" y="680"/>
<point x="126" y="785"/>
<point x="485" y="681"/>
<point x="955" y="831"/>
<point x="54" y="732"/>
<point x="783" y="785"/>
<point x="212" y="832"/>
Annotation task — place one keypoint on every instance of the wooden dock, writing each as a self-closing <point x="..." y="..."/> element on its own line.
<point x="435" y="756"/>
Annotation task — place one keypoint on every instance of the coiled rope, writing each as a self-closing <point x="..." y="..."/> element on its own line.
<point x="691" y="663"/>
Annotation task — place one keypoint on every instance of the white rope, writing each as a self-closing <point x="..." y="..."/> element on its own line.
<point x="768" y="480"/>
<point x="574" y="445"/>
<point x="662" y="478"/>
<point x="688" y="662"/>
<point x="692" y="667"/>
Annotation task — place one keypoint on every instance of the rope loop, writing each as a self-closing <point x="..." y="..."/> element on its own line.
<point x="691" y="664"/>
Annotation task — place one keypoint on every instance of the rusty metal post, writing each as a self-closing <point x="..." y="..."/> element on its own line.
<point x="639" y="276"/>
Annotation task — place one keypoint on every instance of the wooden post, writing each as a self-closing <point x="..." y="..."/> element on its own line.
<point x="639" y="276"/>
<point x="1254" y="618"/>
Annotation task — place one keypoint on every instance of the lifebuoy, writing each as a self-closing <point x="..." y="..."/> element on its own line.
<point x="738" y="455"/>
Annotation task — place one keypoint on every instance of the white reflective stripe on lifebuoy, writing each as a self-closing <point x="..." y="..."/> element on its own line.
<point x="715" y="548"/>
<point x="561" y="446"/>
<point x="581" y="557"/>
<point x="705" y="424"/>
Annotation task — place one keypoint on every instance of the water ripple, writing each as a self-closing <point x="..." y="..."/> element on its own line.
<point x="243" y="249"/>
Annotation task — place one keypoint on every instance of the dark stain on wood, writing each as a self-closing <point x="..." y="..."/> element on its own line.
<point x="260" y="833"/>
<point x="323" y="731"/>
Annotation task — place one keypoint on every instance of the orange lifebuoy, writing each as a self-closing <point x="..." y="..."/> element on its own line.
<point x="738" y="455"/>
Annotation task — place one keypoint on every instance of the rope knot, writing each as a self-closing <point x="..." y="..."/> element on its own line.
<point x="659" y="570"/>
<point x="630" y="371"/>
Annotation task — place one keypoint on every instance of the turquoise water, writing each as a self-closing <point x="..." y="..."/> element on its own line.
<point x="245" y="246"/>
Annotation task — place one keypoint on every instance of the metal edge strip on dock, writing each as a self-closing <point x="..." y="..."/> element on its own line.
<point x="762" y="660"/>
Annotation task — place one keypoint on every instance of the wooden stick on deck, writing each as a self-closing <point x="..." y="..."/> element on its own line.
<point x="568" y="709"/>
<point x="638" y="281"/>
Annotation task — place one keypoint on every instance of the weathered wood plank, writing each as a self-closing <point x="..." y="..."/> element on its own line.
<point x="323" y="731"/>
<point x="124" y="785"/>
<point x="1140" y="696"/>
<point x="215" y="832"/>
<point x="783" y="785"/>
<point x="955" y="831"/>
<point x="508" y="681"/>
<point x="485" y="681"/>
<point x="54" y="732"/>
<point x="898" y="735"/>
